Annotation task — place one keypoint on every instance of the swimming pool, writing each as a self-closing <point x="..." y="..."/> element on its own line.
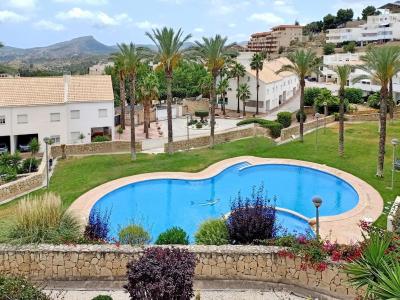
<point x="159" y="204"/>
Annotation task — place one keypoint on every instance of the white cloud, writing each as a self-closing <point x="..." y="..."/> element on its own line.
<point x="268" y="18"/>
<point x="224" y="7"/>
<point x="49" y="25"/>
<point x="147" y="25"/>
<point x="23" y="4"/>
<point x="7" y="16"/>
<point x="232" y="25"/>
<point x="198" y="29"/>
<point x="88" y="2"/>
<point x="284" y="7"/>
<point x="98" y="18"/>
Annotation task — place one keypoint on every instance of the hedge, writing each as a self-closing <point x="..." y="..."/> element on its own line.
<point x="285" y="118"/>
<point x="354" y="95"/>
<point x="273" y="126"/>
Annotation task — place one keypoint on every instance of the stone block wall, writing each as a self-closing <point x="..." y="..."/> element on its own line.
<point x="287" y="133"/>
<point x="367" y="117"/>
<point x="24" y="184"/>
<point x="204" y="141"/>
<point x="108" y="262"/>
<point x="95" y="148"/>
<point x="192" y="105"/>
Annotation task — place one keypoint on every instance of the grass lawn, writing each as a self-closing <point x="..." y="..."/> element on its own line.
<point x="75" y="176"/>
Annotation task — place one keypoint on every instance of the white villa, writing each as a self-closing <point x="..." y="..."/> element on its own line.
<point x="68" y="109"/>
<point x="275" y="89"/>
<point x="381" y="28"/>
<point x="327" y="75"/>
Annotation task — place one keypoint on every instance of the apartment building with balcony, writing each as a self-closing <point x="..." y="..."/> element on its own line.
<point x="271" y="41"/>
<point x="68" y="109"/>
<point x="380" y="29"/>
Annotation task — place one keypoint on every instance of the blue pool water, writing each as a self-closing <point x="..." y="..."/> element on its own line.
<point x="160" y="204"/>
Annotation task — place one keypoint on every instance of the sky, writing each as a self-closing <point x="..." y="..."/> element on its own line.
<point x="31" y="23"/>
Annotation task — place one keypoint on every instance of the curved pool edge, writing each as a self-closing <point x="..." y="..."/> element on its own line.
<point x="343" y="227"/>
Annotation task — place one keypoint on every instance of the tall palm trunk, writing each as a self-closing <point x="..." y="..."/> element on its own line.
<point x="244" y="108"/>
<point x="223" y="104"/>
<point x="146" y="118"/>
<point x="302" y="86"/>
<point x="213" y="97"/>
<point x="382" y="132"/>
<point x="122" y="97"/>
<point x="390" y="99"/>
<point x="169" y="110"/>
<point x="238" y="100"/>
<point x="341" y="121"/>
<point x="258" y="88"/>
<point x="133" y="101"/>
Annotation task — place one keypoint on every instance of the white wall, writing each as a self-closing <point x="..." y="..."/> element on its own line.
<point x="39" y="120"/>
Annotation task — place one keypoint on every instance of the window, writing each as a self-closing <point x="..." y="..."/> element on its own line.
<point x="22" y="119"/>
<point x="2" y="120"/>
<point x="75" y="136"/>
<point x="55" y="117"/>
<point x="75" y="114"/>
<point x="102" y="113"/>
<point x="55" y="139"/>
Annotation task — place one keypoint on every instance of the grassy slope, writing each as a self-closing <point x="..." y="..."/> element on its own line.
<point x="76" y="176"/>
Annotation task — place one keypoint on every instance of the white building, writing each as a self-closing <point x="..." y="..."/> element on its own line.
<point x="381" y="28"/>
<point x="62" y="108"/>
<point x="275" y="89"/>
<point x="329" y="76"/>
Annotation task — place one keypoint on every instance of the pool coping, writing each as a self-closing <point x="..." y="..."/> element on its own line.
<point x="343" y="228"/>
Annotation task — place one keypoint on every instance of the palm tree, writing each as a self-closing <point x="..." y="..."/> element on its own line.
<point x="238" y="71"/>
<point x="244" y="94"/>
<point x="213" y="52"/>
<point x="120" y="69"/>
<point x="148" y="91"/>
<point x="381" y="64"/>
<point x="303" y="63"/>
<point x="133" y="57"/>
<point x="343" y="73"/>
<point x="169" y="52"/>
<point x="257" y="64"/>
<point x="222" y="89"/>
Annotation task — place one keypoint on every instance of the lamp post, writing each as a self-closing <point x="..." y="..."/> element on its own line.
<point x="317" y="203"/>
<point x="46" y="140"/>
<point x="187" y="128"/>
<point x="325" y="115"/>
<point x="317" y="115"/>
<point x="395" y="143"/>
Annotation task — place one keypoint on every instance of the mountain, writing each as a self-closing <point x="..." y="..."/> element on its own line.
<point x="78" y="47"/>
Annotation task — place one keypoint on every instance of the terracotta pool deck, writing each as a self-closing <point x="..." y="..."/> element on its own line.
<point x="343" y="228"/>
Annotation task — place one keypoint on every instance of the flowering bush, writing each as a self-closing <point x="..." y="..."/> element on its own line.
<point x="252" y="219"/>
<point x="98" y="227"/>
<point x="162" y="273"/>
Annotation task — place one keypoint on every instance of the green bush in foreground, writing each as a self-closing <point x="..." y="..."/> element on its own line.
<point x="212" y="232"/>
<point x="16" y="288"/>
<point x="102" y="297"/>
<point x="173" y="236"/>
<point x="42" y="219"/>
<point x="273" y="126"/>
<point x="101" y="138"/>
<point x="134" y="235"/>
<point x="285" y="118"/>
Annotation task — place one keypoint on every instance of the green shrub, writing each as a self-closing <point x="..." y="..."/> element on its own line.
<point x="285" y="118"/>
<point x="374" y="100"/>
<point x="350" y="47"/>
<point x="199" y="125"/>
<point x="192" y="122"/>
<point x="274" y="127"/>
<point x="201" y="114"/>
<point x="212" y="232"/>
<point x="17" y="288"/>
<point x="354" y="95"/>
<point x="298" y="117"/>
<point x="101" y="138"/>
<point x="8" y="173"/>
<point x="329" y="49"/>
<point x="134" y="235"/>
<point x="42" y="219"/>
<point x="173" y="236"/>
<point x="31" y="164"/>
<point x="310" y="94"/>
<point x="102" y="297"/>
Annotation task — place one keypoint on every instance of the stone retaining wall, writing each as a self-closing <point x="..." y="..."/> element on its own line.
<point x="367" y="117"/>
<point x="24" y="184"/>
<point x="204" y="141"/>
<point x="95" y="148"/>
<point x="393" y="212"/>
<point x="108" y="263"/>
<point x="287" y="133"/>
